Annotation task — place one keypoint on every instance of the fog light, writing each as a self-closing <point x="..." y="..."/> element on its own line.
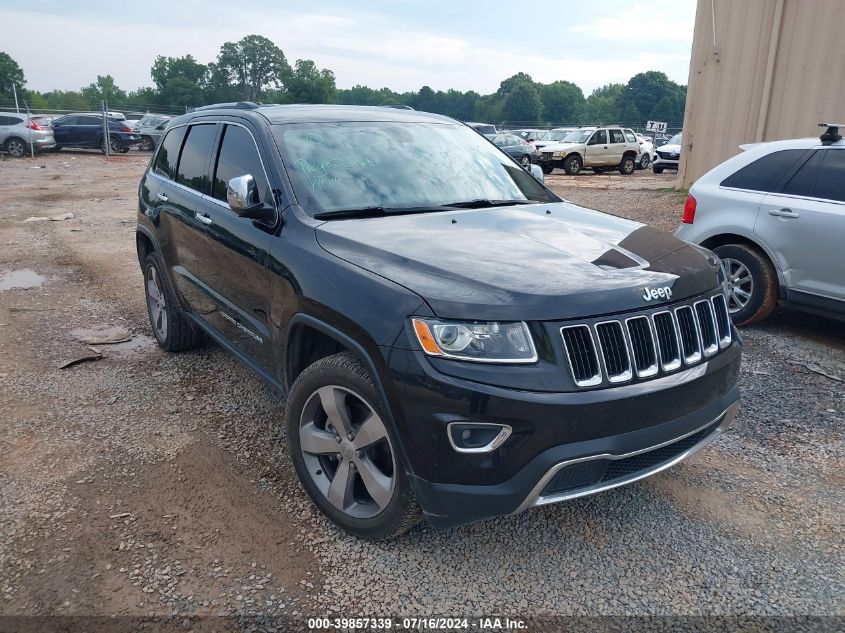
<point x="477" y="437"/>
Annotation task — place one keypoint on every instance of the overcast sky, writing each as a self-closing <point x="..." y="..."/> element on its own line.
<point x="401" y="44"/>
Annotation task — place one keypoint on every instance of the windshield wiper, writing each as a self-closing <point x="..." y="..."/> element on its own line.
<point x="480" y="203"/>
<point x="373" y="211"/>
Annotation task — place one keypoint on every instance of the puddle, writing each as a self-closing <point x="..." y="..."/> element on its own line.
<point x="21" y="279"/>
<point x="140" y="343"/>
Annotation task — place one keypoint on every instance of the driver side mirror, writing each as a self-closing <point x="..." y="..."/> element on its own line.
<point x="242" y="196"/>
<point x="161" y="126"/>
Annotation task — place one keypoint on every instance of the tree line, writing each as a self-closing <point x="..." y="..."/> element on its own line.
<point x="256" y="69"/>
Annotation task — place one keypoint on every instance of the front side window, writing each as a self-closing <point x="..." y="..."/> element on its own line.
<point x="764" y="173"/>
<point x="168" y="153"/>
<point x="599" y="138"/>
<point x="356" y="165"/>
<point x="239" y="157"/>
<point x="193" y="163"/>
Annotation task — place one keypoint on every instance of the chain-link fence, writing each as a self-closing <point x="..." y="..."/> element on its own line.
<point x="111" y="128"/>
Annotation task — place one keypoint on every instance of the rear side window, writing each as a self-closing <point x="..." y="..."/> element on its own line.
<point x="828" y="184"/>
<point x="616" y="136"/>
<point x="89" y="120"/>
<point x="168" y="153"/>
<point x="765" y="172"/>
<point x="630" y="136"/>
<point x="10" y="120"/>
<point x="802" y="181"/>
<point x="239" y="157"/>
<point x="193" y="163"/>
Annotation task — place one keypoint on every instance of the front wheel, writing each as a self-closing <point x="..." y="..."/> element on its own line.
<point x="627" y="166"/>
<point x="343" y="453"/>
<point x="572" y="165"/>
<point x="752" y="282"/>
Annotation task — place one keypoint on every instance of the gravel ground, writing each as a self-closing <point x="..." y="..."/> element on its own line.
<point x="149" y="484"/>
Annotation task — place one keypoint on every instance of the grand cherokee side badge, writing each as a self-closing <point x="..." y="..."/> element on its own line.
<point x="657" y="293"/>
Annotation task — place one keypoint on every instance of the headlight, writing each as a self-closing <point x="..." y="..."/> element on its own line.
<point x="483" y="342"/>
<point x="558" y="154"/>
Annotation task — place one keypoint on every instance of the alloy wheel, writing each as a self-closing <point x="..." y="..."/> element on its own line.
<point x="740" y="284"/>
<point x="15" y="148"/>
<point x="347" y="451"/>
<point x="156" y="303"/>
<point x="525" y="161"/>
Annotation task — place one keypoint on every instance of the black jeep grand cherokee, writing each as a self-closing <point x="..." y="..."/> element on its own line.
<point x="456" y="341"/>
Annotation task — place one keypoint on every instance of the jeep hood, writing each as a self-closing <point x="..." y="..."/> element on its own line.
<point x="561" y="147"/>
<point x="531" y="262"/>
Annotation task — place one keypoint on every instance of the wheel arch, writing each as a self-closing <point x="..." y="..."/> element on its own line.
<point x="631" y="153"/>
<point x="723" y="239"/>
<point x="330" y="337"/>
<point x="571" y="154"/>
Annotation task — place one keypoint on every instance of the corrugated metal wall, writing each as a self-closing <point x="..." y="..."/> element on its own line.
<point x="777" y="69"/>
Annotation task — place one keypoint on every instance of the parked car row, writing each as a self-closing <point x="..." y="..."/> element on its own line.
<point x="21" y="134"/>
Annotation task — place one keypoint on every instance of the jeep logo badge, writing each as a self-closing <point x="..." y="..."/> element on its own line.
<point x="657" y="293"/>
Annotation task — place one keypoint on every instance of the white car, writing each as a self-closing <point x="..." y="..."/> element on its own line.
<point x="646" y="155"/>
<point x="775" y="215"/>
<point x="669" y="155"/>
<point x="553" y="136"/>
<point x="600" y="149"/>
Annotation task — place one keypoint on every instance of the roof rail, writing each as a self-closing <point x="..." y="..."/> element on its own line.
<point x="831" y="134"/>
<point x="240" y="105"/>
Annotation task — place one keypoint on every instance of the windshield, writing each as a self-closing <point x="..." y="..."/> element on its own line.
<point x="577" y="136"/>
<point x="360" y="165"/>
<point x="675" y="140"/>
<point x="558" y="135"/>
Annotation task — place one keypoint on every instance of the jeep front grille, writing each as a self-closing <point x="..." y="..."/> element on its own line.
<point x="646" y="345"/>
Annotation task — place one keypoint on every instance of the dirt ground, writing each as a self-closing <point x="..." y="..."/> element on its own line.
<point x="147" y="484"/>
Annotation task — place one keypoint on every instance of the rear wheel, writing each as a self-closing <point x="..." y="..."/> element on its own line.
<point x="344" y="454"/>
<point x="752" y="282"/>
<point x="627" y="166"/>
<point x="147" y="144"/>
<point x="645" y="161"/>
<point x="572" y="165"/>
<point x="16" y="147"/>
<point x="113" y="146"/>
<point x="172" y="330"/>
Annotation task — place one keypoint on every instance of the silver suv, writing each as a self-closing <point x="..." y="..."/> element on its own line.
<point x="599" y="149"/>
<point x="775" y="215"/>
<point x="19" y="131"/>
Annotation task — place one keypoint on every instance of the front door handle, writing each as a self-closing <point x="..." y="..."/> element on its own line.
<point x="202" y="217"/>
<point x="783" y="213"/>
<point x="162" y="196"/>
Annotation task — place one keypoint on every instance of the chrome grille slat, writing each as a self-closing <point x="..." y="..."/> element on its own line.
<point x="645" y="345"/>
<point x="614" y="351"/>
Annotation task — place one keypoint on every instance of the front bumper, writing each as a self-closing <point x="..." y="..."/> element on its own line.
<point x="563" y="445"/>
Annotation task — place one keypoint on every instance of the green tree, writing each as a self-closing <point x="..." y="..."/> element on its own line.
<point x="425" y="100"/>
<point x="663" y="110"/>
<point x="563" y="102"/>
<point x="180" y="81"/>
<point x="628" y="113"/>
<point x="646" y="90"/>
<point x="508" y="85"/>
<point x="102" y="89"/>
<point x="523" y="105"/>
<point x="602" y="104"/>
<point x="253" y="65"/>
<point x="309" y="84"/>
<point x="10" y="75"/>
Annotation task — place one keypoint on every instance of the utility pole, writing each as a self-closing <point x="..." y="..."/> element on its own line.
<point x="106" y="140"/>
<point x="15" y="92"/>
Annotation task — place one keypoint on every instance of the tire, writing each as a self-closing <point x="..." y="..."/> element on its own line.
<point x="525" y="161"/>
<point x="572" y="165"/>
<point x="657" y="169"/>
<point x="547" y="169"/>
<point x="763" y="287"/>
<point x="346" y="385"/>
<point x="645" y="161"/>
<point x="628" y="166"/>
<point x="113" y="146"/>
<point x="147" y="144"/>
<point x="171" y="329"/>
<point x="15" y="147"/>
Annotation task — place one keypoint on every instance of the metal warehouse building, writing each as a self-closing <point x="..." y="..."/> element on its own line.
<point x="760" y="70"/>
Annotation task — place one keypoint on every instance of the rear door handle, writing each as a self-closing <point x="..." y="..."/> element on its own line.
<point x="202" y="217"/>
<point x="784" y="213"/>
<point x="162" y="196"/>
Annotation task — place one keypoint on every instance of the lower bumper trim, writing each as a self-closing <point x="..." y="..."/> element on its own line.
<point x="597" y="465"/>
